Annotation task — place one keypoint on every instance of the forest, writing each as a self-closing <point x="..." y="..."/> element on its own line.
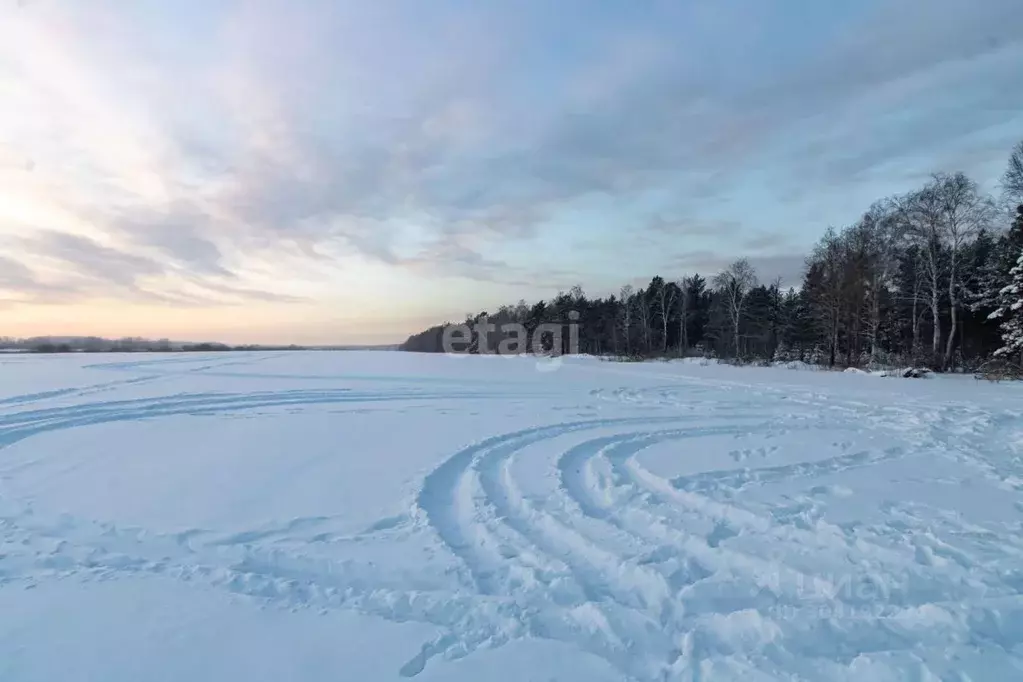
<point x="930" y="278"/>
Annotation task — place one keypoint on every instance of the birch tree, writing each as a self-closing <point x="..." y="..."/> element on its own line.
<point x="964" y="212"/>
<point x="666" y="297"/>
<point x="683" y="315"/>
<point x="735" y="283"/>
<point x="883" y="234"/>
<point x="923" y="211"/>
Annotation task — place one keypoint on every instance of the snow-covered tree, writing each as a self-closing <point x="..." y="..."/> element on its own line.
<point x="1011" y="313"/>
<point x="994" y="275"/>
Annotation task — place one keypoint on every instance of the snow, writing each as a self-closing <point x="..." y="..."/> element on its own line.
<point x="386" y="516"/>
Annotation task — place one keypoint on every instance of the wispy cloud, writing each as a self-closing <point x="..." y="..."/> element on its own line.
<point x="265" y="151"/>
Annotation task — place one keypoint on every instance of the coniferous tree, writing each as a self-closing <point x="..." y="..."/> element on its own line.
<point x="918" y="278"/>
<point x="1010" y="313"/>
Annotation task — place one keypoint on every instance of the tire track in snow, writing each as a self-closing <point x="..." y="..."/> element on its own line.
<point x="21" y="425"/>
<point x="530" y="569"/>
<point x="735" y="480"/>
<point x="77" y="392"/>
<point x="101" y="551"/>
<point x="688" y="545"/>
<point x="35" y="550"/>
<point x="667" y="511"/>
<point x="474" y="505"/>
<point x="81" y="391"/>
<point x="472" y="500"/>
<point x="213" y="370"/>
<point x="447" y="498"/>
<point x="627" y="596"/>
<point x="614" y="600"/>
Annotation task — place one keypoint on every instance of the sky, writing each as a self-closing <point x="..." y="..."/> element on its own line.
<point x="342" y="171"/>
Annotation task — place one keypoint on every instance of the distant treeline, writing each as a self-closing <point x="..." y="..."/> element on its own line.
<point x="99" y="345"/>
<point x="95" y="344"/>
<point x="933" y="277"/>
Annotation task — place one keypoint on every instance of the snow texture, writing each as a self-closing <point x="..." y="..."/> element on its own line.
<point x="385" y="516"/>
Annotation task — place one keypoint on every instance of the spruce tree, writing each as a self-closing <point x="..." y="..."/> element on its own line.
<point x="1010" y="296"/>
<point x="1010" y="313"/>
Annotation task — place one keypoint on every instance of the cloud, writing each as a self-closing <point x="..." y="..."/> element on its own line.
<point x="14" y="275"/>
<point x="75" y="268"/>
<point x="787" y="268"/>
<point x="25" y="285"/>
<point x="176" y="235"/>
<point x="682" y="226"/>
<point x="766" y="241"/>
<point x="449" y="141"/>
<point x="93" y="260"/>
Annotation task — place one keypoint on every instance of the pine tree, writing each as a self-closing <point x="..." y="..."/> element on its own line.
<point x="697" y="305"/>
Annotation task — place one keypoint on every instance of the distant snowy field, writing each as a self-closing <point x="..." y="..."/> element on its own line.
<point x="385" y="516"/>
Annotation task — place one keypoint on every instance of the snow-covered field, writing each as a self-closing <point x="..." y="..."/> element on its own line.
<point x="380" y="516"/>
